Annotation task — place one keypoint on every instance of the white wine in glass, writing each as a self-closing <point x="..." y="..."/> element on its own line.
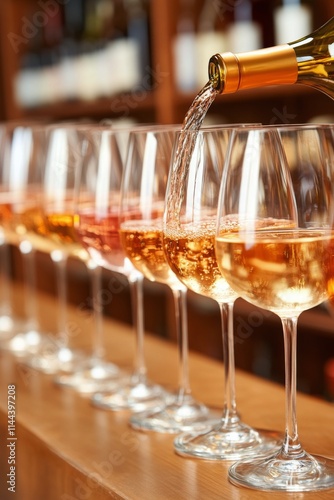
<point x="54" y="221"/>
<point x="274" y="241"/>
<point x="23" y="161"/>
<point x="189" y="243"/>
<point x="97" y="226"/>
<point x="142" y="207"/>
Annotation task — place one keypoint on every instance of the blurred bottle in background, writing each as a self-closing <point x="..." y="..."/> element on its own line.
<point x="211" y="37"/>
<point x="292" y="20"/>
<point x="84" y="50"/>
<point x="244" y="33"/>
<point x="184" y="47"/>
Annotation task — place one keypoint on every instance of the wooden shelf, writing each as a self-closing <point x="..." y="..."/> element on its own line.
<point x="157" y="104"/>
<point x="165" y="104"/>
<point x="121" y="105"/>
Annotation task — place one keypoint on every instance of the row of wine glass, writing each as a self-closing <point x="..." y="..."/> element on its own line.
<point x="228" y="211"/>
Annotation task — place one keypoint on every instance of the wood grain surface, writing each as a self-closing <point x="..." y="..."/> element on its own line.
<point x="67" y="449"/>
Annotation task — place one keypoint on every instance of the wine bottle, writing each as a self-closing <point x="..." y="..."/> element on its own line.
<point x="308" y="61"/>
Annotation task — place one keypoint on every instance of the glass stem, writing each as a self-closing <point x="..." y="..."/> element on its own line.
<point x="180" y="304"/>
<point x="136" y="285"/>
<point x="230" y="416"/>
<point x="291" y="446"/>
<point x="28" y="256"/>
<point x="60" y="260"/>
<point x="98" y="350"/>
<point x="5" y="290"/>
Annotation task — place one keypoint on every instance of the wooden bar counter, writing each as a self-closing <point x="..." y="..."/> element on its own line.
<point x="66" y="449"/>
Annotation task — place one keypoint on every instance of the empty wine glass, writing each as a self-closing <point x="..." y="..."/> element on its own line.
<point x="97" y="225"/>
<point x="142" y="206"/>
<point x="189" y="242"/>
<point x="274" y="241"/>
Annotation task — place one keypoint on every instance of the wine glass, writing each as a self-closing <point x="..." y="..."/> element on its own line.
<point x="55" y="224"/>
<point x="142" y="206"/>
<point x="274" y="240"/>
<point x="96" y="373"/>
<point x="23" y="159"/>
<point x="8" y="324"/>
<point x="189" y="241"/>
<point x="97" y="225"/>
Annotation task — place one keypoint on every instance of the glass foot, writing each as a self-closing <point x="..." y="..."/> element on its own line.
<point x="51" y="359"/>
<point x="136" y="396"/>
<point x="8" y="326"/>
<point x="227" y="442"/>
<point x="22" y="344"/>
<point x="279" y="472"/>
<point x="181" y="414"/>
<point x="93" y="376"/>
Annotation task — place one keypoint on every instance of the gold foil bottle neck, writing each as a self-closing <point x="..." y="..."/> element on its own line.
<point x="229" y="72"/>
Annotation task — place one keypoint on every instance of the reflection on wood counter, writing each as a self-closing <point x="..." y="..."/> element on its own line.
<point x="66" y="449"/>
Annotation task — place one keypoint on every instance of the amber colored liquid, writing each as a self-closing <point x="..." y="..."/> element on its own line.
<point x="5" y="223"/>
<point x="191" y="255"/>
<point x="100" y="236"/>
<point x="5" y="214"/>
<point x="59" y="228"/>
<point x="329" y="272"/>
<point x="30" y="224"/>
<point x="32" y="220"/>
<point x="24" y="221"/>
<point x="280" y="270"/>
<point x="144" y="247"/>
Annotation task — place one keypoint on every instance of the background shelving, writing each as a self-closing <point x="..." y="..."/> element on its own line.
<point x="156" y="96"/>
